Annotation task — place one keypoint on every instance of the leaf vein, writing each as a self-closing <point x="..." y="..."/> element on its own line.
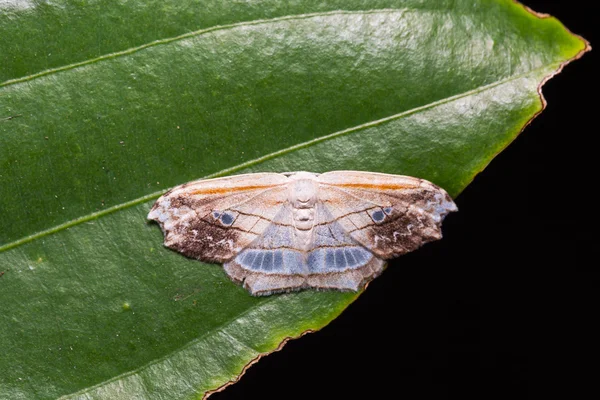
<point x="189" y="35"/>
<point x="275" y="154"/>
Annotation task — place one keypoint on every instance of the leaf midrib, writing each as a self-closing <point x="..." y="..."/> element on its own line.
<point x="256" y="161"/>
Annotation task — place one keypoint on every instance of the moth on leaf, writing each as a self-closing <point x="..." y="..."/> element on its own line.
<point x="282" y="232"/>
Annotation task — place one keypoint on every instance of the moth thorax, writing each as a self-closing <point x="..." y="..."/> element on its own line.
<point x="303" y="197"/>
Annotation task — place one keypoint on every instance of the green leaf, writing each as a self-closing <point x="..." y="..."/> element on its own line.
<point x="92" y="305"/>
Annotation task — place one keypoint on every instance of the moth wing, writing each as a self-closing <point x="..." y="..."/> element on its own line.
<point x="336" y="260"/>
<point x="275" y="261"/>
<point x="279" y="261"/>
<point x="389" y="214"/>
<point x="214" y="219"/>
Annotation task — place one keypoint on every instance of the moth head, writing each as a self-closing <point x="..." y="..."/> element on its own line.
<point x="303" y="193"/>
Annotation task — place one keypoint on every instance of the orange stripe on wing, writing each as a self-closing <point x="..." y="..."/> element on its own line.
<point x="375" y="186"/>
<point x="222" y="190"/>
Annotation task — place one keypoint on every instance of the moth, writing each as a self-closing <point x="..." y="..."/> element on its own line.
<point x="279" y="232"/>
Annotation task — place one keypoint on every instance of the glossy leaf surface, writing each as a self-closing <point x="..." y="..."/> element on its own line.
<point x="93" y="305"/>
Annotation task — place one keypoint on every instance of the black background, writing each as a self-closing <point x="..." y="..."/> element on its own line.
<point x="504" y="294"/>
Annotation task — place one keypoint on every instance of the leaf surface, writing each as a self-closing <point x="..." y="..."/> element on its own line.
<point x="93" y="306"/>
